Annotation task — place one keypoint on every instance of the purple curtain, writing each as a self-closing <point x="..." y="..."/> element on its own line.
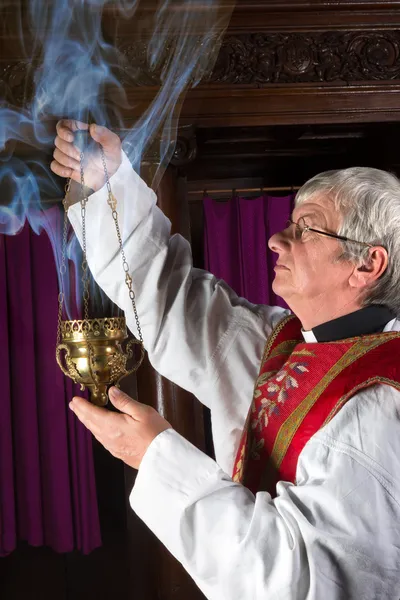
<point x="47" y="483"/>
<point x="235" y="243"/>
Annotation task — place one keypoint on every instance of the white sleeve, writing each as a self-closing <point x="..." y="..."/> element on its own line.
<point x="335" y="536"/>
<point x="186" y="315"/>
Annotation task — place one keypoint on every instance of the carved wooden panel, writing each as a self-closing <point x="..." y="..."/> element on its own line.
<point x="308" y="57"/>
<point x="260" y="58"/>
<point x="280" y="63"/>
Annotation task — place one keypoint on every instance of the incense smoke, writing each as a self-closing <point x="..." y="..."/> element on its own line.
<point x="78" y="74"/>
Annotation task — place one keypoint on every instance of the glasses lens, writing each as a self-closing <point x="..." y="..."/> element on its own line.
<point x="298" y="231"/>
<point x="301" y="228"/>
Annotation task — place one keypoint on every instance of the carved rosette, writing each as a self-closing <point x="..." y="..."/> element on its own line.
<point x="186" y="146"/>
<point x="135" y="67"/>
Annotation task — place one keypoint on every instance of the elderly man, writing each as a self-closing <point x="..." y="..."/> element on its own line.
<point x="303" y="501"/>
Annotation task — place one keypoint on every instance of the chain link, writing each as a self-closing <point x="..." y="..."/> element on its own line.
<point x="85" y="272"/>
<point x="112" y="202"/>
<point x="85" y="278"/>
<point x="63" y="268"/>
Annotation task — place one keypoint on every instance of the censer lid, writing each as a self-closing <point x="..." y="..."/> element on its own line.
<point x="94" y="329"/>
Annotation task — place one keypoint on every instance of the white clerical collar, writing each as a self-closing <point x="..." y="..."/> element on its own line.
<point x="364" y="321"/>
<point x="309" y="336"/>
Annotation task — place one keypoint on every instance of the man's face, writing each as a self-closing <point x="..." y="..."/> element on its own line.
<point x="307" y="276"/>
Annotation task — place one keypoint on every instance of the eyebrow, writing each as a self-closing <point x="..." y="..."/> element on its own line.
<point x="311" y="216"/>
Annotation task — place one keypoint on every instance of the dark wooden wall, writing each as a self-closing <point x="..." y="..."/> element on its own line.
<point x="298" y="87"/>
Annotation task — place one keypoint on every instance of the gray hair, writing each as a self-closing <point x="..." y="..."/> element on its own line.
<point x="369" y="202"/>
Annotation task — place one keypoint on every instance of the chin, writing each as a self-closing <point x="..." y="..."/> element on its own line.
<point x="278" y="288"/>
<point x="281" y="290"/>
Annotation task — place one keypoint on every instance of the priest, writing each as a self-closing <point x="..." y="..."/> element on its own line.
<point x="303" y="500"/>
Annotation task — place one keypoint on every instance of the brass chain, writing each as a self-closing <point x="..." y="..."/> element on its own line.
<point x="112" y="202"/>
<point x="63" y="267"/>
<point x="85" y="278"/>
<point x="85" y="273"/>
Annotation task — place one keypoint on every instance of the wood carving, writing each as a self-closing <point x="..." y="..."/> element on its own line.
<point x="313" y="57"/>
<point x="186" y="146"/>
<point x="16" y="82"/>
<point x="135" y="66"/>
<point x="256" y="59"/>
<point x="262" y="58"/>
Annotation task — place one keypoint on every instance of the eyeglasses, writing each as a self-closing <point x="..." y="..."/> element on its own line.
<point x="302" y="228"/>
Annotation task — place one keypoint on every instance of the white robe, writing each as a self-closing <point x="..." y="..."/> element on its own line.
<point x="336" y="534"/>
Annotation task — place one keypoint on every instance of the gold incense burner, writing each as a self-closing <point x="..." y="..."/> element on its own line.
<point x="91" y="354"/>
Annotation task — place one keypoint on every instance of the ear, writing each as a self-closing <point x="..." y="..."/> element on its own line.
<point x="371" y="269"/>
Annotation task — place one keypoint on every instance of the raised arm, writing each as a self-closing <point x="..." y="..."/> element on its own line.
<point x="186" y="315"/>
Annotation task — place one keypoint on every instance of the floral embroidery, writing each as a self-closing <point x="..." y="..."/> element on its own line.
<point x="276" y="392"/>
<point x="266" y="408"/>
<point x="264" y="378"/>
<point x="304" y="352"/>
<point x="282" y="399"/>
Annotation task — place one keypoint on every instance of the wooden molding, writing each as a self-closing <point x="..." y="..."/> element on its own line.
<point x="279" y="63"/>
<point x="227" y="106"/>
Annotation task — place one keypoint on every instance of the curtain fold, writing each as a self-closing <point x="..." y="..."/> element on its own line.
<point x="47" y="482"/>
<point x="236" y="235"/>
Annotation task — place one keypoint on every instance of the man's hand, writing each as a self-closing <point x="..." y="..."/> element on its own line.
<point x="66" y="161"/>
<point x="128" y="435"/>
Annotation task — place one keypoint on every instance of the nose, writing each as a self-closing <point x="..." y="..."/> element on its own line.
<point x="278" y="242"/>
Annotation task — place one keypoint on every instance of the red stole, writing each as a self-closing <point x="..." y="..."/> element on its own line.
<point x="300" y="388"/>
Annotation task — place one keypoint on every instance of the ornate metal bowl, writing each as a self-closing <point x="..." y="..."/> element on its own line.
<point x="93" y="354"/>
